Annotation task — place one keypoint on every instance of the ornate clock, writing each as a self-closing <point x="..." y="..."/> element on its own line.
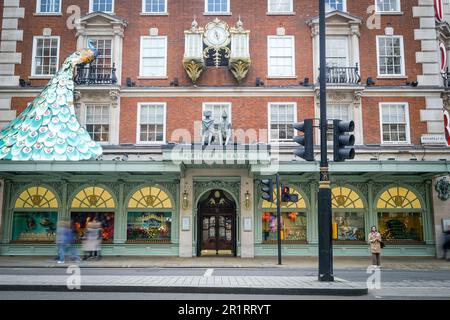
<point x="217" y="38"/>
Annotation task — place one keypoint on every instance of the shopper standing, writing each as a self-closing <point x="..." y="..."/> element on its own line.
<point x="375" y="246"/>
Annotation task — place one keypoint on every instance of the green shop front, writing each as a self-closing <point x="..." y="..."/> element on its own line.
<point x="167" y="209"/>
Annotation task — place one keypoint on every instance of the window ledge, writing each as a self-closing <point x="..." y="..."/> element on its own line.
<point x="154" y="13"/>
<point x="280" y="77"/>
<point x="389" y="13"/>
<point x="152" y="78"/>
<point x="144" y="143"/>
<point x="41" y="77"/>
<point x="217" y="13"/>
<point x="281" y="13"/>
<point x="396" y="144"/>
<point x="391" y="77"/>
<point x="47" y="14"/>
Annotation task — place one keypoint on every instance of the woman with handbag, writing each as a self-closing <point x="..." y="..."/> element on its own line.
<point x="375" y="242"/>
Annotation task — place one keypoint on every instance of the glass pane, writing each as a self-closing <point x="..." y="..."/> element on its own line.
<point x="401" y="225"/>
<point x="80" y="223"/>
<point x="293" y="224"/>
<point x="149" y="226"/>
<point x="34" y="226"/>
<point x="348" y="226"/>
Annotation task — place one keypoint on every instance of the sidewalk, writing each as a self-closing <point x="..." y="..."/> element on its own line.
<point x="226" y="262"/>
<point x="254" y="285"/>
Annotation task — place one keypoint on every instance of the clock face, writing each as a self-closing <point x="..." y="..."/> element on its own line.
<point x="216" y="37"/>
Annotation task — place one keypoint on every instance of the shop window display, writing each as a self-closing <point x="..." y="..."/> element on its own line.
<point x="81" y="219"/>
<point x="407" y="226"/>
<point x="149" y="226"/>
<point x="293" y="226"/>
<point x="348" y="226"/>
<point x="34" y="226"/>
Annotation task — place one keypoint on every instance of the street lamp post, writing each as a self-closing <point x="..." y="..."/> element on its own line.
<point x="324" y="196"/>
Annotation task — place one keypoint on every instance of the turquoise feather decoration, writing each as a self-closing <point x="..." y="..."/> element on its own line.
<point x="48" y="129"/>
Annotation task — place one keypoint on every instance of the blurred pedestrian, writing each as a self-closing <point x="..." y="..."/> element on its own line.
<point x="91" y="240"/>
<point x="446" y="245"/>
<point x="375" y="246"/>
<point x="62" y="240"/>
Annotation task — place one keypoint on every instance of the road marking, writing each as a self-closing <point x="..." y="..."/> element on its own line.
<point x="208" y="273"/>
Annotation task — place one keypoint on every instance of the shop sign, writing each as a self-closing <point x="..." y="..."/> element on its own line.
<point x="433" y="139"/>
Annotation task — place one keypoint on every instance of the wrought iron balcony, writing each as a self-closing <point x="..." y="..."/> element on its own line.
<point x="91" y="75"/>
<point x="343" y="75"/>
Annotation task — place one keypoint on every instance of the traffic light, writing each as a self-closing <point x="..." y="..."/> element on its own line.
<point x="343" y="140"/>
<point x="267" y="189"/>
<point x="306" y="140"/>
<point x="286" y="195"/>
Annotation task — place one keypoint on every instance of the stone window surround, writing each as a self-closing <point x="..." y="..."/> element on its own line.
<point x="149" y="13"/>
<point x="113" y="28"/>
<point x="350" y="29"/>
<point x="402" y="53"/>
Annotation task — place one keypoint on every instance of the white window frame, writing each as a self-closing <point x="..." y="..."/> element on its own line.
<point x="408" y="124"/>
<point x="399" y="9"/>
<point x="291" y="11"/>
<point x="87" y="105"/>
<point x="138" y="125"/>
<point x="154" y="13"/>
<point x="91" y="7"/>
<point x="38" y="9"/>
<point x="344" y="6"/>
<point x="141" y="74"/>
<point x="402" y="51"/>
<point x="218" y="12"/>
<point x="293" y="70"/>
<point x="269" y="117"/>
<point x="33" y="59"/>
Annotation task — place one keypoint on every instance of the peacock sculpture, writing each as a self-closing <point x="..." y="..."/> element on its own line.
<point x="48" y="129"/>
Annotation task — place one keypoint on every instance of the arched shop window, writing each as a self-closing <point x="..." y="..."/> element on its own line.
<point x="35" y="215"/>
<point x="400" y="215"/>
<point x="348" y="215"/>
<point x="149" y="219"/>
<point x="93" y="204"/>
<point x="293" y="220"/>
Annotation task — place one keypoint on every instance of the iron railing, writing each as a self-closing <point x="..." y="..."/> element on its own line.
<point x="343" y="75"/>
<point x="91" y="75"/>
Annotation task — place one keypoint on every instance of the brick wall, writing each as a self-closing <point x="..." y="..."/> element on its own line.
<point x="255" y="19"/>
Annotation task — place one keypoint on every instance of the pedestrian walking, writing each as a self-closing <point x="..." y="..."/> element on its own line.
<point x="446" y="245"/>
<point x="375" y="246"/>
<point x="90" y="241"/>
<point x="63" y="239"/>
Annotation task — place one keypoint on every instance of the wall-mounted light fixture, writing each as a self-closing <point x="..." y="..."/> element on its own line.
<point x="185" y="202"/>
<point x="247" y="200"/>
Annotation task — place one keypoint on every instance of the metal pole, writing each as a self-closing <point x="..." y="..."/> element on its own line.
<point x="324" y="196"/>
<point x="279" y="218"/>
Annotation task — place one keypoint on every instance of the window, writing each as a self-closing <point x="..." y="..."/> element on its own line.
<point x="149" y="216"/>
<point x="152" y="122"/>
<point x="103" y="64"/>
<point x="281" y="54"/>
<point x="218" y="110"/>
<point x="293" y="220"/>
<point x="390" y="56"/>
<point x="282" y="117"/>
<point x="400" y="215"/>
<point x="35" y="215"/>
<point x="48" y="6"/>
<point x="394" y="123"/>
<point x="348" y="215"/>
<point x="333" y="5"/>
<point x="337" y="112"/>
<point x="337" y="52"/>
<point x="388" y="5"/>
<point x="45" y="56"/>
<point x="80" y="222"/>
<point x="98" y="122"/>
<point x="280" y="6"/>
<point x="153" y="56"/>
<point x="217" y="6"/>
<point x="102" y="5"/>
<point x="154" y="6"/>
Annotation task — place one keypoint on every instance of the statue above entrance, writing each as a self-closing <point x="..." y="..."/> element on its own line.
<point x="207" y="128"/>
<point x="225" y="129"/>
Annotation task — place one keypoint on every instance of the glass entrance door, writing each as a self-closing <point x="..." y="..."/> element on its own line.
<point x="217" y="234"/>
